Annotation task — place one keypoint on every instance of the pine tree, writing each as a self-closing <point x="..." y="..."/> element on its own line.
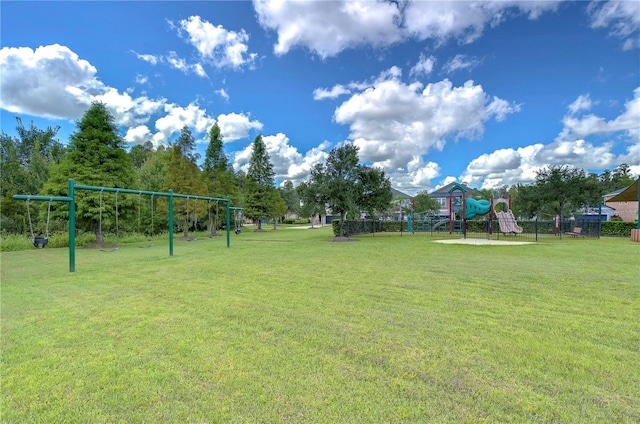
<point x="187" y="144"/>
<point x="96" y="156"/>
<point x="259" y="183"/>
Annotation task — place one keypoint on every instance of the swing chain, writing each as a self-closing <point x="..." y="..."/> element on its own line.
<point x="29" y="215"/>
<point x="48" y="217"/>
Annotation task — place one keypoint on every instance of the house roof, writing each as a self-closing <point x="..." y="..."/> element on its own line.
<point x="397" y="193"/>
<point x="615" y="192"/>
<point x="629" y="194"/>
<point x="444" y="191"/>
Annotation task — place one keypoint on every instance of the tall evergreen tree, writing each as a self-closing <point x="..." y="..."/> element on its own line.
<point x="215" y="159"/>
<point x="259" y="183"/>
<point x="96" y="156"/>
<point x="140" y="152"/>
<point x="186" y="143"/>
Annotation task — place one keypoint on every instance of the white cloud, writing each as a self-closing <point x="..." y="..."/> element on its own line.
<point x="417" y="175"/>
<point x="581" y="127"/>
<point x="129" y="111"/>
<point x="583" y="102"/>
<point x="392" y="122"/>
<point x="234" y="126"/>
<point x="138" y="135"/>
<point x="513" y="166"/>
<point x="215" y="44"/>
<point x="460" y="62"/>
<point x="53" y="82"/>
<point x="149" y="58"/>
<point x="335" y="91"/>
<point x="223" y="93"/>
<point x="288" y="163"/>
<point x="327" y="28"/>
<point x="621" y="17"/>
<point x="578" y="153"/>
<point x="181" y="64"/>
<point x="465" y="21"/>
<point x="503" y="167"/>
<point x="142" y="79"/>
<point x="424" y="66"/>
<point x="50" y="81"/>
<point x="195" y="118"/>
<point x="571" y="147"/>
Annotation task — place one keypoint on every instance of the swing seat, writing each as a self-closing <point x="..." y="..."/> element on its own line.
<point x="40" y="242"/>
<point x="237" y="231"/>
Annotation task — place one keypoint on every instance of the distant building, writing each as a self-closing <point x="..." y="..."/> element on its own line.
<point x="399" y="201"/>
<point x="627" y="210"/>
<point x="442" y="195"/>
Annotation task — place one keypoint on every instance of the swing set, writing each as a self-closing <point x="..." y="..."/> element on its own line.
<point x="38" y="241"/>
<point x="41" y="242"/>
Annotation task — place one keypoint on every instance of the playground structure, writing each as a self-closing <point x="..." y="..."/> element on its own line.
<point x="70" y="199"/>
<point x="506" y="220"/>
<point x="468" y="208"/>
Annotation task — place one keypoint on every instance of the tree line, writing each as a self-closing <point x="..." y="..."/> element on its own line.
<point x="37" y="163"/>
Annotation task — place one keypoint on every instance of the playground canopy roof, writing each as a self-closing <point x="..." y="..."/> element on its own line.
<point x="629" y="194"/>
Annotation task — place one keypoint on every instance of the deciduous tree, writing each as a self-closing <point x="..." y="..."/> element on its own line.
<point x="558" y="190"/>
<point x="291" y="197"/>
<point x="423" y="203"/>
<point x="184" y="178"/>
<point x="218" y="174"/>
<point x="336" y="181"/>
<point x="373" y="191"/>
<point x="25" y="162"/>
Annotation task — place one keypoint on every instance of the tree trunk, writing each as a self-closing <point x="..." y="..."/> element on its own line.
<point x="342" y="224"/>
<point x="186" y="228"/>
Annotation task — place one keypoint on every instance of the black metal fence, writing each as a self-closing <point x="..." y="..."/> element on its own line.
<point x="532" y="230"/>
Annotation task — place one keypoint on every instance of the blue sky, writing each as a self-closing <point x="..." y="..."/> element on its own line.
<point x="482" y="92"/>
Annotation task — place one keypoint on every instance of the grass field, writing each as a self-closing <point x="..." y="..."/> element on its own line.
<point x="285" y="327"/>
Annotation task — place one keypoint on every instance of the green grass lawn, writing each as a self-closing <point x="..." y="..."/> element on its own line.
<point x="285" y="327"/>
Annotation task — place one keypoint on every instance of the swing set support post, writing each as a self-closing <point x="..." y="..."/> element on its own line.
<point x="72" y="226"/>
<point x="228" y="219"/>
<point x="170" y="222"/>
<point x="72" y="218"/>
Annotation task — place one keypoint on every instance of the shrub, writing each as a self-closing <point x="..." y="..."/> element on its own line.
<point x="618" y="228"/>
